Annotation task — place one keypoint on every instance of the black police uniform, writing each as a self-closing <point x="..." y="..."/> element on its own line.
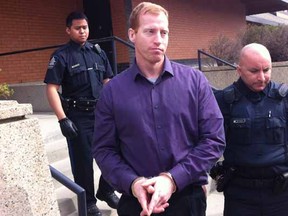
<point x="256" y="136"/>
<point x="80" y="72"/>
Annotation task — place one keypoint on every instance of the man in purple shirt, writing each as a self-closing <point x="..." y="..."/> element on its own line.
<point x="159" y="128"/>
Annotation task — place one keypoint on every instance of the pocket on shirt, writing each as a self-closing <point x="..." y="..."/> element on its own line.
<point x="240" y="131"/>
<point x="275" y="130"/>
<point x="79" y="76"/>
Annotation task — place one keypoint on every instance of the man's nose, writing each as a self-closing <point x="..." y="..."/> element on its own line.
<point x="158" y="37"/>
<point x="261" y="76"/>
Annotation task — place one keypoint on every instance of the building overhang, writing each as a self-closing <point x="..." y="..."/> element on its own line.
<point x="264" y="6"/>
<point x="267" y="19"/>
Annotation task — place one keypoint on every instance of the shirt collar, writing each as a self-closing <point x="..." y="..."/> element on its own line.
<point x="167" y="69"/>
<point x="249" y="93"/>
<point x="77" y="46"/>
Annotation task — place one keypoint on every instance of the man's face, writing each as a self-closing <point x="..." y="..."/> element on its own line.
<point x="151" y="38"/>
<point x="255" y="71"/>
<point x="79" y="31"/>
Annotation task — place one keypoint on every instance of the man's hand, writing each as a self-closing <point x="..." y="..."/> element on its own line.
<point x="68" y="129"/>
<point x="153" y="194"/>
<point x="162" y="188"/>
<point x="141" y="194"/>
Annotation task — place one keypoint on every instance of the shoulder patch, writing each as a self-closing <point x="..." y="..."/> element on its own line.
<point x="52" y="62"/>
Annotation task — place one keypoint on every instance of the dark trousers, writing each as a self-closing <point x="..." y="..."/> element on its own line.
<point x="81" y="156"/>
<point x="189" y="202"/>
<point x="243" y="201"/>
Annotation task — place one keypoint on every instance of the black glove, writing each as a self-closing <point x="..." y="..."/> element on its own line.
<point x="217" y="170"/>
<point x="68" y="128"/>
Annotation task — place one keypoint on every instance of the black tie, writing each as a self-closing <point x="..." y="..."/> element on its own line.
<point x="95" y="83"/>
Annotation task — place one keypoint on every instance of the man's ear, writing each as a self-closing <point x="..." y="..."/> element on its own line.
<point x="131" y="35"/>
<point x="68" y="30"/>
<point x="238" y="69"/>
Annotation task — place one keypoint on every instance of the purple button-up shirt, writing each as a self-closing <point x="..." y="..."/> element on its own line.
<point x="143" y="129"/>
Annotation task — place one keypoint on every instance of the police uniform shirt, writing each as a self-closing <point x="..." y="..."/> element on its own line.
<point x="75" y="68"/>
<point x="256" y="127"/>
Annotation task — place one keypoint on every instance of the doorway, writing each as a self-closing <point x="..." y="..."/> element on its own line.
<point x="100" y="23"/>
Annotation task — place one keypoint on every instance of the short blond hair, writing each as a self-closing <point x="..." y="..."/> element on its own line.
<point x="143" y="8"/>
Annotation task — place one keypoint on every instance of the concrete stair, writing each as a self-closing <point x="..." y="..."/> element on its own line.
<point x="57" y="153"/>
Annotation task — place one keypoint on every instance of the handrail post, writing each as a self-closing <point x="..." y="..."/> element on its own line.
<point x="81" y="193"/>
<point x="199" y="60"/>
<point x="114" y="57"/>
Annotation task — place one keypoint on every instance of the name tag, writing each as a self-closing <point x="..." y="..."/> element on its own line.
<point x="239" y="121"/>
<point x="76" y="65"/>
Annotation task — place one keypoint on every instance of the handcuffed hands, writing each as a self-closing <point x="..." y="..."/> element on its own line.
<point x="153" y="194"/>
<point x="68" y="128"/>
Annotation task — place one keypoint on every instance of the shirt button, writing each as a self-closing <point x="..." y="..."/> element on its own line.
<point x="159" y="127"/>
<point x="156" y="107"/>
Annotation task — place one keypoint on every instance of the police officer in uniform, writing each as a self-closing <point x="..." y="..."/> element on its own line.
<point x="256" y="158"/>
<point x="81" y="69"/>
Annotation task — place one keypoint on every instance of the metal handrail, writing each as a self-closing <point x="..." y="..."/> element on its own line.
<point x="80" y="192"/>
<point x="213" y="57"/>
<point x="112" y="39"/>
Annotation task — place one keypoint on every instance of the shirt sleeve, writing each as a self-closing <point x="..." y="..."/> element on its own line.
<point x="193" y="168"/>
<point x="106" y="148"/>
<point x="55" y="71"/>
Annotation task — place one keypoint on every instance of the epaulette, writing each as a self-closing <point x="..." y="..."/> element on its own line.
<point x="61" y="48"/>
<point x="230" y="94"/>
<point x="283" y="90"/>
<point x="279" y="91"/>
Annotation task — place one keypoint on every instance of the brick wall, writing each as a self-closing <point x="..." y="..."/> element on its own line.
<point x="120" y="27"/>
<point x="31" y="24"/>
<point x="192" y="24"/>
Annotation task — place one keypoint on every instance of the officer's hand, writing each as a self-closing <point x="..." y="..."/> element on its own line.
<point x="68" y="128"/>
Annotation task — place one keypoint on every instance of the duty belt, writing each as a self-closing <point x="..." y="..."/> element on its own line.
<point x="81" y="104"/>
<point x="253" y="183"/>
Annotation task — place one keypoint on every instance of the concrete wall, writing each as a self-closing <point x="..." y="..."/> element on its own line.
<point x="25" y="181"/>
<point x="33" y="93"/>
<point x="221" y="77"/>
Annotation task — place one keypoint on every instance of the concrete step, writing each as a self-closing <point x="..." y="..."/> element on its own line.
<point x="64" y="167"/>
<point x="67" y="201"/>
<point x="56" y="150"/>
<point x="49" y="126"/>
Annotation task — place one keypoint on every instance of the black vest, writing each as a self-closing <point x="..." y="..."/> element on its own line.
<point x="256" y="126"/>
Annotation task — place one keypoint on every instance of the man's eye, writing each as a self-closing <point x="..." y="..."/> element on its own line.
<point x="164" y="32"/>
<point x="266" y="70"/>
<point x="253" y="71"/>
